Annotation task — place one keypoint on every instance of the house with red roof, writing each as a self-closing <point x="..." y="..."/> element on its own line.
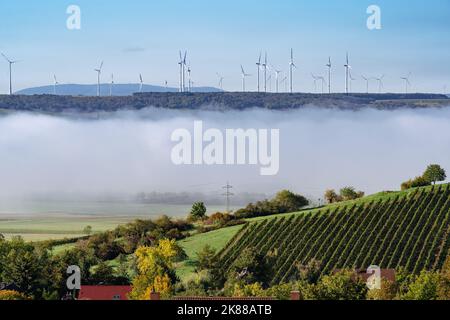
<point x="104" y="293"/>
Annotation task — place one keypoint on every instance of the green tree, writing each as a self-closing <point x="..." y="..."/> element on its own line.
<point x="198" y="211"/>
<point x="103" y="274"/>
<point x="290" y="201"/>
<point x="425" y="287"/>
<point x="205" y="258"/>
<point x="87" y="230"/>
<point x="340" y="286"/>
<point x="349" y="193"/>
<point x="309" y="272"/>
<point x="434" y="173"/>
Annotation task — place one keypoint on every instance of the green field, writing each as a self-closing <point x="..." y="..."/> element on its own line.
<point x="217" y="239"/>
<point x="45" y="228"/>
<point x="407" y="229"/>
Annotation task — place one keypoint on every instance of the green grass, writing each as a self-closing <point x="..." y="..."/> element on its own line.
<point x="62" y="248"/>
<point x="41" y="228"/>
<point x="217" y="239"/>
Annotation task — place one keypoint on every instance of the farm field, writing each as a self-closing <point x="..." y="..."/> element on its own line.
<point x="41" y="228"/>
<point x="407" y="229"/>
<point x="40" y="220"/>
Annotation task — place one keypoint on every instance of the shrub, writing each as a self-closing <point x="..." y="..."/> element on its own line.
<point x="12" y="295"/>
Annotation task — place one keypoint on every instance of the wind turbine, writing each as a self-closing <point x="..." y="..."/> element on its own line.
<point x="99" y="71"/>
<point x="11" y="62"/>
<point x="315" y="82"/>
<point x="291" y="67"/>
<point x="181" y="71"/>
<point x="367" y="83"/>
<point x="265" y="72"/>
<point x="220" y="81"/>
<point x="269" y="80"/>
<point x="258" y="65"/>
<point x="184" y="71"/>
<point x="189" y="77"/>
<point x="244" y="75"/>
<point x="284" y="80"/>
<point x="111" y="85"/>
<point x="407" y="83"/>
<point x="380" y="83"/>
<point x="328" y="65"/>
<point x="322" y="79"/>
<point x="351" y="79"/>
<point x="55" y="83"/>
<point x="141" y="83"/>
<point x="277" y="74"/>
<point x="347" y="73"/>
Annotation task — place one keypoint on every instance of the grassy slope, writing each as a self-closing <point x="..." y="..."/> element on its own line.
<point x="217" y="239"/>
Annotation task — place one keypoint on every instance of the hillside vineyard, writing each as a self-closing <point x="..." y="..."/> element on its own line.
<point x="409" y="230"/>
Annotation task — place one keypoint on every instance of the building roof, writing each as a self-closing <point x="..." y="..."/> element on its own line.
<point x="104" y="293"/>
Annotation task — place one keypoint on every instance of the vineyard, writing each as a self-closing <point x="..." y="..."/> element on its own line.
<point x="409" y="229"/>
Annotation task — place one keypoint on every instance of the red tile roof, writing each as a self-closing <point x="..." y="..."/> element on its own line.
<point x="104" y="293"/>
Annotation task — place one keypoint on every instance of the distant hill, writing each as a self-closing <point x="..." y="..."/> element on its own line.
<point x="220" y="101"/>
<point x="409" y="229"/>
<point x="91" y="89"/>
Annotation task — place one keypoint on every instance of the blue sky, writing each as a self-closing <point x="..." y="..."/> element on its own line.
<point x="138" y="36"/>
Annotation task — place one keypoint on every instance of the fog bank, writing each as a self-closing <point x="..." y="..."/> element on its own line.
<point x="129" y="152"/>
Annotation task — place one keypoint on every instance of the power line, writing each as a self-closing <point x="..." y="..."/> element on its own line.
<point x="228" y="194"/>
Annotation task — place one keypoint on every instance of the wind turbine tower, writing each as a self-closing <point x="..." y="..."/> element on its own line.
<point x="258" y="65"/>
<point x="99" y="71"/>
<point x="277" y="76"/>
<point x="347" y="74"/>
<point x="111" y="85"/>
<point x="380" y="83"/>
<point x="407" y="83"/>
<point x="291" y="67"/>
<point x="265" y="72"/>
<point x="55" y="83"/>
<point x="367" y="83"/>
<point x="189" y="78"/>
<point x="328" y="65"/>
<point x="11" y="62"/>
<point x="220" y="81"/>
<point x="141" y="83"/>
<point x="180" y="63"/>
<point x="315" y="82"/>
<point x="322" y="79"/>
<point x="184" y="71"/>
<point x="244" y="75"/>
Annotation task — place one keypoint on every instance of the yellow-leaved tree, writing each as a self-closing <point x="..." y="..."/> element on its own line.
<point x="155" y="270"/>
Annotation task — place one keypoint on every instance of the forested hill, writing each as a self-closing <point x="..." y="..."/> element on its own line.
<point x="409" y="229"/>
<point x="218" y="101"/>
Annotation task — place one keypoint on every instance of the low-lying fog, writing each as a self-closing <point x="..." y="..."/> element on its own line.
<point x="130" y="152"/>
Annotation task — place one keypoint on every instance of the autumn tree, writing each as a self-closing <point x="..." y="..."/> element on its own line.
<point x="331" y="196"/>
<point x="155" y="270"/>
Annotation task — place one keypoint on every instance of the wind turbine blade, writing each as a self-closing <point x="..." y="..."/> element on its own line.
<point x="6" y="58"/>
